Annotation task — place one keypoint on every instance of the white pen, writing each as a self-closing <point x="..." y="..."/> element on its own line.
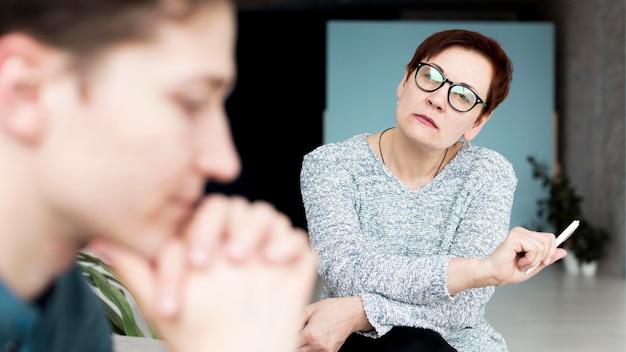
<point x="561" y="238"/>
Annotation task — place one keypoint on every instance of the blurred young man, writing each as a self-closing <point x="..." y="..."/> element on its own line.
<point x="111" y="122"/>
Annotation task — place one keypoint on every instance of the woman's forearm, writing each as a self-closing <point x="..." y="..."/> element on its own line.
<point x="466" y="273"/>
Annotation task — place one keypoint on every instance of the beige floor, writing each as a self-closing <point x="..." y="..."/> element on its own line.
<point x="557" y="312"/>
<point x="137" y="344"/>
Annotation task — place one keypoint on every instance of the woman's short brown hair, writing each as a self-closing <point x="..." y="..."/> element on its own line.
<point x="488" y="47"/>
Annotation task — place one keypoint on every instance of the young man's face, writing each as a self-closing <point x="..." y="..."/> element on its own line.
<point x="129" y="158"/>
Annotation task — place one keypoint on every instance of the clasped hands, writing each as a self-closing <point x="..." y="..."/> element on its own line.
<point x="236" y="279"/>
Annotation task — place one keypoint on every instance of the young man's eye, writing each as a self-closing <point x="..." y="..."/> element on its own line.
<point x="191" y="106"/>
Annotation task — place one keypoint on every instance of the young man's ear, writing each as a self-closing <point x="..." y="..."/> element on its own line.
<point x="22" y="70"/>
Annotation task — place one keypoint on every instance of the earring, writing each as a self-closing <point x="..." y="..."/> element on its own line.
<point x="466" y="144"/>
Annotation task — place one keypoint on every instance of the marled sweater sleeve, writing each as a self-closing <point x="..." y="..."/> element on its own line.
<point x="488" y="214"/>
<point x="346" y="263"/>
<point x="397" y="289"/>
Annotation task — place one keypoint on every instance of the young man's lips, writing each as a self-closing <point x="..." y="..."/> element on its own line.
<point x="185" y="202"/>
<point x="426" y="120"/>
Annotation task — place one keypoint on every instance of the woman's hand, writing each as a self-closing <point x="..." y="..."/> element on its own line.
<point x="521" y="250"/>
<point x="329" y="322"/>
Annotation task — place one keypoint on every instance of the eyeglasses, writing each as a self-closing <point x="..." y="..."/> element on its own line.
<point x="460" y="97"/>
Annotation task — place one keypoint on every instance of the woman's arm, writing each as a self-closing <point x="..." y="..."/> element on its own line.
<point x="350" y="267"/>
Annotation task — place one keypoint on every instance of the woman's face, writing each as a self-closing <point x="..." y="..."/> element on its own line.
<point x="128" y="157"/>
<point x="427" y="116"/>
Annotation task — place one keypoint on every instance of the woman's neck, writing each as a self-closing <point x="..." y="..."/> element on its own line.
<point x="412" y="167"/>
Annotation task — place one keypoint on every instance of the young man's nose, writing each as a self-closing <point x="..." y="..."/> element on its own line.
<point x="217" y="157"/>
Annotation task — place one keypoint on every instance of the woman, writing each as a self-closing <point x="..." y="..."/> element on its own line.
<point x="411" y="223"/>
<point x="111" y="120"/>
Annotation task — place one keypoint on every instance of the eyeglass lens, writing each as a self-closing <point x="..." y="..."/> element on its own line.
<point x="430" y="79"/>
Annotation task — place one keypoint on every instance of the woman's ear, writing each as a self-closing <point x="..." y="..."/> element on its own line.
<point x="23" y="63"/>
<point x="401" y="86"/>
<point x="478" y="125"/>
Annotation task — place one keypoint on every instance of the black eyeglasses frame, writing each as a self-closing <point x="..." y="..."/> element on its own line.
<point x="479" y="100"/>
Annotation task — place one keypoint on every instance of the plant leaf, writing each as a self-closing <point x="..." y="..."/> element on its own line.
<point x="116" y="296"/>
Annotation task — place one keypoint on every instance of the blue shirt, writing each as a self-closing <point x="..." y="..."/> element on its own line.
<point x="69" y="317"/>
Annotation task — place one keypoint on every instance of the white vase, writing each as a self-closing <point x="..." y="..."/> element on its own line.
<point x="570" y="264"/>
<point x="589" y="268"/>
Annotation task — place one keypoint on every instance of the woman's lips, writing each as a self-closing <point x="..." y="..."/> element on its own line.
<point x="426" y="120"/>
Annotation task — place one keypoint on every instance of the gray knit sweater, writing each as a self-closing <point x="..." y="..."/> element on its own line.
<point x="391" y="246"/>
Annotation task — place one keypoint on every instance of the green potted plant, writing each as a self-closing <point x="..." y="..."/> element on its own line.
<point x="559" y="208"/>
<point x="589" y="245"/>
<point x="123" y="312"/>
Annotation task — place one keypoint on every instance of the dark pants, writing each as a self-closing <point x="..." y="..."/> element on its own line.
<point x="399" y="339"/>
